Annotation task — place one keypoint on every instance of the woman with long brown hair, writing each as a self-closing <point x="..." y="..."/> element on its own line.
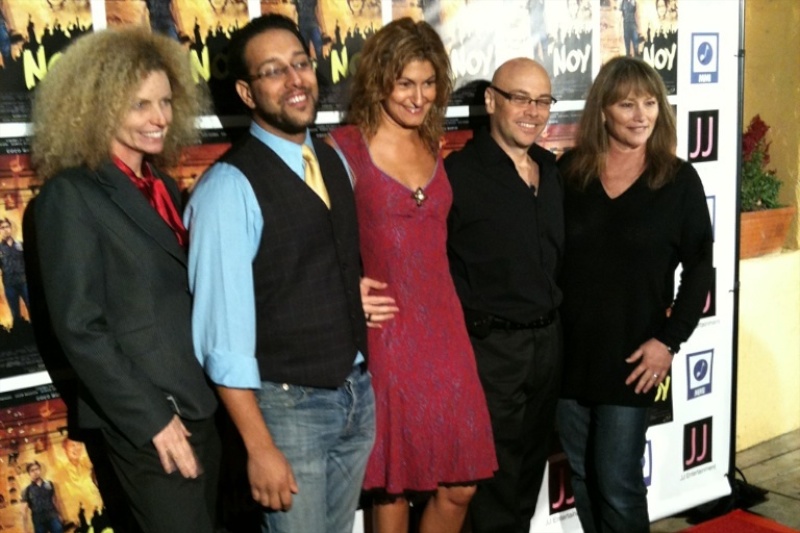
<point x="633" y="212"/>
<point x="433" y="430"/>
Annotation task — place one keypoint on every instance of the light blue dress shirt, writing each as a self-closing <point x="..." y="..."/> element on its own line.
<point x="225" y="223"/>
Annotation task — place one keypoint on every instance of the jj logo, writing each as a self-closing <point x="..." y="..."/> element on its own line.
<point x="697" y="443"/>
<point x="705" y="59"/>
<point x="698" y="370"/>
<point x="561" y="496"/>
<point x="703" y="135"/>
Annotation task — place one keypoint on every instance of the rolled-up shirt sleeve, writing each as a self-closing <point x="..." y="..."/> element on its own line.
<point x="225" y="223"/>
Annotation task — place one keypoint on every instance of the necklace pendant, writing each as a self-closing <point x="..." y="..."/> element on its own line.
<point x="419" y="196"/>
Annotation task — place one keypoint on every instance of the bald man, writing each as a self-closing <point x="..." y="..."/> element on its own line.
<point x="505" y="242"/>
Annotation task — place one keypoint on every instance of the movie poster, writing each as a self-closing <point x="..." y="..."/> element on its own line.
<point x="568" y="51"/>
<point x="460" y="130"/>
<point x="204" y="27"/>
<point x="561" y="131"/>
<point x="617" y="29"/>
<point x="15" y="145"/>
<point x="194" y="161"/>
<point x="32" y="35"/>
<point x="647" y="29"/>
<point x="34" y="444"/>
<point x="477" y="36"/>
<point x="335" y="31"/>
<point x="18" y="351"/>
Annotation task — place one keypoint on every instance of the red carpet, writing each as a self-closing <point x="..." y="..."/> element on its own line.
<point x="740" y="521"/>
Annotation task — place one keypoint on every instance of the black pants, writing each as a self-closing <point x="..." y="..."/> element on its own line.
<point x="520" y="371"/>
<point x="169" y="503"/>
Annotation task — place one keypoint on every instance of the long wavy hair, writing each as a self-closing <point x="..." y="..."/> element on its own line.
<point x="381" y="63"/>
<point x="85" y="95"/>
<point x="616" y="80"/>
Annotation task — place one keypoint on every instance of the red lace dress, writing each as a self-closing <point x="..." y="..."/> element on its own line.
<point x="432" y="422"/>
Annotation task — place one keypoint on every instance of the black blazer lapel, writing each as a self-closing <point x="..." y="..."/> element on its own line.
<point x="128" y="198"/>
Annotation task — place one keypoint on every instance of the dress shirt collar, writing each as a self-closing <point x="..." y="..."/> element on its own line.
<point x="289" y="152"/>
<point x="492" y="153"/>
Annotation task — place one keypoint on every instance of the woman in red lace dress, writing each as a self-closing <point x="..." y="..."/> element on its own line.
<point x="433" y="430"/>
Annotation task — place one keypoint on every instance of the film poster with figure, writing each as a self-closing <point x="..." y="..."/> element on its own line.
<point x="203" y="27"/>
<point x="19" y="354"/>
<point x="34" y="432"/>
<point x="33" y="33"/>
<point x="647" y="29"/>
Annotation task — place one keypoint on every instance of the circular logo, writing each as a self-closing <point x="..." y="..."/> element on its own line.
<point x="705" y="53"/>
<point x="700" y="369"/>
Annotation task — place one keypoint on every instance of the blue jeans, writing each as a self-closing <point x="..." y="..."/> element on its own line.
<point x="604" y="445"/>
<point x="631" y="38"/>
<point x="327" y="436"/>
<point x="52" y="525"/>
<point x="15" y="291"/>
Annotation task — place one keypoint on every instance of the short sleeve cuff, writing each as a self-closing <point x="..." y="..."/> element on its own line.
<point x="233" y="370"/>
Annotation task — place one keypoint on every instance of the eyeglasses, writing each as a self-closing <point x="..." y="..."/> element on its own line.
<point x="278" y="72"/>
<point x="521" y="100"/>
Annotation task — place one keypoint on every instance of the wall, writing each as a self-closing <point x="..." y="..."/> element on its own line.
<point x="768" y="401"/>
<point x="772" y="87"/>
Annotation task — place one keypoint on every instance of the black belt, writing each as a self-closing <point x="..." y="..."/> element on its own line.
<point x="539" y="322"/>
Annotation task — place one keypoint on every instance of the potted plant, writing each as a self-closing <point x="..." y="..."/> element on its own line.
<point x="764" y="222"/>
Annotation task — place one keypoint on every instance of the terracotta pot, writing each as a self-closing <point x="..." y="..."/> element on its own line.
<point x="764" y="232"/>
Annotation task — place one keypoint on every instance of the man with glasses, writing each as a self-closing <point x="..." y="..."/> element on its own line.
<point x="274" y="268"/>
<point x="12" y="265"/>
<point x="505" y="242"/>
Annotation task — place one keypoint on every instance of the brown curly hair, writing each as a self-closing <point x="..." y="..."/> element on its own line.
<point x="381" y="63"/>
<point x="85" y="95"/>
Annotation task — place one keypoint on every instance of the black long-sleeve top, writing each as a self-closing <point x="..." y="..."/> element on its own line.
<point x="504" y="239"/>
<point x="618" y="279"/>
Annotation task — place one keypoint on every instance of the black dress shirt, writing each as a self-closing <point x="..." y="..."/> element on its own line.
<point x="505" y="239"/>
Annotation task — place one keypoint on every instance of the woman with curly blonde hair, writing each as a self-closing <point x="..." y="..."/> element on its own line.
<point x="112" y="256"/>
<point x="434" y="437"/>
<point x="87" y="93"/>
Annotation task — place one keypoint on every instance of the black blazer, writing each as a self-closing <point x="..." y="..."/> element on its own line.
<point x="115" y="283"/>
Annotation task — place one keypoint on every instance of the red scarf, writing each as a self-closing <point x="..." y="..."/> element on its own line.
<point x="157" y="195"/>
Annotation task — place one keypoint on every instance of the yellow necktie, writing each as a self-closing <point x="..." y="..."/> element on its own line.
<point x="313" y="175"/>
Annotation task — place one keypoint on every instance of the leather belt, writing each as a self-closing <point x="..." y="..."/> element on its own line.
<point x="539" y="322"/>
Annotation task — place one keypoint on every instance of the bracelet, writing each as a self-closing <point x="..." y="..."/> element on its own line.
<point x="672" y="351"/>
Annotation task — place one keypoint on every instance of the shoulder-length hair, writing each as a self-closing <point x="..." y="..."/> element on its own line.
<point x="381" y="63"/>
<point x="620" y="77"/>
<point x="84" y="97"/>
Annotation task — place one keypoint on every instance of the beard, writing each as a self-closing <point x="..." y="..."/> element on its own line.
<point x="289" y="122"/>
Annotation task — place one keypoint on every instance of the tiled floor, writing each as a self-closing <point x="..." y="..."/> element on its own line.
<point x="774" y="466"/>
